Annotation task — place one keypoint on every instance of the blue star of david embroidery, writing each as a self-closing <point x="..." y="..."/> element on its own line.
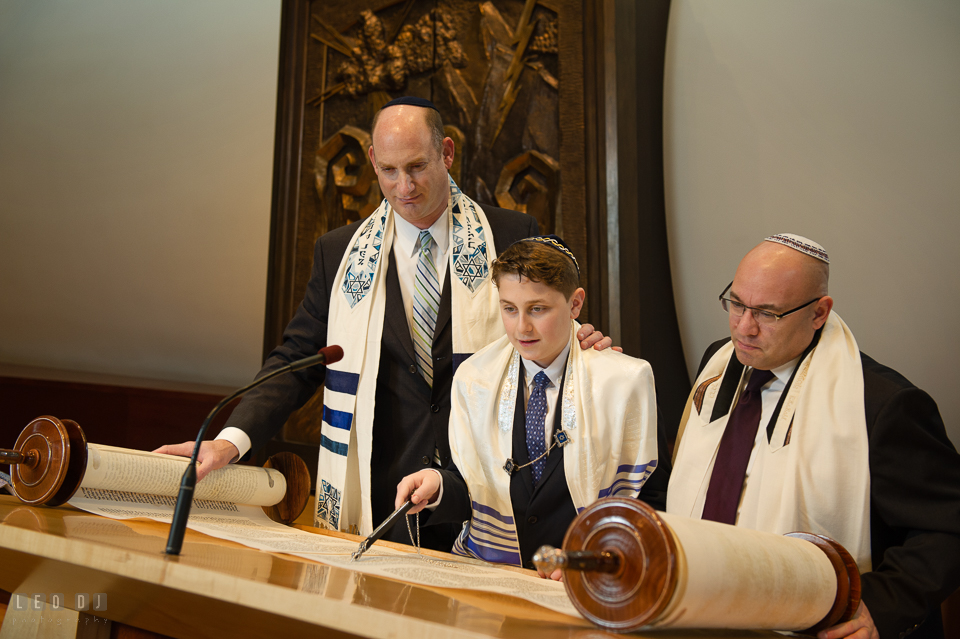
<point x="469" y="262"/>
<point x="328" y="504"/>
<point x="355" y="287"/>
<point x="360" y="269"/>
<point x="472" y="269"/>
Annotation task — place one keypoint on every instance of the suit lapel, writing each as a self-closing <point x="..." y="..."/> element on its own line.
<point x="772" y="423"/>
<point x="443" y="313"/>
<point x="396" y="320"/>
<point x="520" y="456"/>
<point x="728" y="388"/>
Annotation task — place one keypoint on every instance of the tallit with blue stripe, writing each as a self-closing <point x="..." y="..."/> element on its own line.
<point x="357" y="306"/>
<point x="608" y="409"/>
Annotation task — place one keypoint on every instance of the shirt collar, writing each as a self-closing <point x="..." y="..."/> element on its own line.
<point x="409" y="235"/>
<point x="554" y="371"/>
<point x="783" y="373"/>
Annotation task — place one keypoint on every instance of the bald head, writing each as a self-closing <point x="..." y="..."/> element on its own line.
<point x="409" y="115"/>
<point x="411" y="165"/>
<point x="793" y="269"/>
<point x="775" y="278"/>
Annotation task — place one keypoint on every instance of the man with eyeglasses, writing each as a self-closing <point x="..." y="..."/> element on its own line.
<point x="791" y="428"/>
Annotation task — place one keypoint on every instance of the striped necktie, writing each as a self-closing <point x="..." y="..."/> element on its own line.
<point x="426" y="303"/>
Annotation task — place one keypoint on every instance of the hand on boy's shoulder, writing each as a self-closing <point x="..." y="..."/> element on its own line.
<point x="592" y="338"/>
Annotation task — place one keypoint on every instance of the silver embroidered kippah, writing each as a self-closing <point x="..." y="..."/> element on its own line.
<point x="555" y="242"/>
<point x="800" y="243"/>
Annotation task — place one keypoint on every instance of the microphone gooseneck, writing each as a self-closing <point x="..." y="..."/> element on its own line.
<point x="327" y="355"/>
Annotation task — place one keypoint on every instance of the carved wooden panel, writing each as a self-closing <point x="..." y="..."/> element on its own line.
<point x="507" y="76"/>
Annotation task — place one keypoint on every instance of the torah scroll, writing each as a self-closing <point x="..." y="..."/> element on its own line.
<point x="628" y="567"/>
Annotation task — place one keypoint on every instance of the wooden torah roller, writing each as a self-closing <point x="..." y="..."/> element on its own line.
<point x="626" y="566"/>
<point x="49" y="461"/>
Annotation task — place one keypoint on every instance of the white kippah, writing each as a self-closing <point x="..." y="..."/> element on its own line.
<point x="800" y="243"/>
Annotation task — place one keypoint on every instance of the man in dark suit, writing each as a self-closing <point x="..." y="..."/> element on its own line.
<point x="885" y="446"/>
<point x="411" y="157"/>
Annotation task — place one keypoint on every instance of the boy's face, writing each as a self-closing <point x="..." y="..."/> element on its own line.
<point x="537" y="317"/>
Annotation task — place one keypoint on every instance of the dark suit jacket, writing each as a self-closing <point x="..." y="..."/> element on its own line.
<point x="410" y="418"/>
<point x="914" y="504"/>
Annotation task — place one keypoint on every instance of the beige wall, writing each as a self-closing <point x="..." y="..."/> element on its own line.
<point x="136" y="150"/>
<point x="834" y="120"/>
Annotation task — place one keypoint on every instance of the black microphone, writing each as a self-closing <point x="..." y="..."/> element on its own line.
<point x="327" y="355"/>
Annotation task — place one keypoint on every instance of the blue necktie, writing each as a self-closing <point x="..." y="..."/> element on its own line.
<point x="535" y="420"/>
<point x="426" y="303"/>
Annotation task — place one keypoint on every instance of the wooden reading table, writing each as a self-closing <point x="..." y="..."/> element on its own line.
<point x="218" y="588"/>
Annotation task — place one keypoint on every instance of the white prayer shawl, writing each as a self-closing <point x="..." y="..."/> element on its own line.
<point x="608" y="410"/>
<point x="813" y="475"/>
<point x="357" y="306"/>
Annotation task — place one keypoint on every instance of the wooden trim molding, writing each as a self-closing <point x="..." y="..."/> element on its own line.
<point x="287" y="161"/>
<point x="115" y="414"/>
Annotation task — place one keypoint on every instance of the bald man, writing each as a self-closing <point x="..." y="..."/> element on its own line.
<point x="789" y="427"/>
<point x="387" y="403"/>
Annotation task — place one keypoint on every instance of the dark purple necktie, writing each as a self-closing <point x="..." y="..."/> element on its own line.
<point x="730" y="469"/>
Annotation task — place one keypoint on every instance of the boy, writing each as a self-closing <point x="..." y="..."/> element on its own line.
<point x="538" y="430"/>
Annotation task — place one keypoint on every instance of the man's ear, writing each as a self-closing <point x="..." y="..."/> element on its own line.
<point x="447" y="152"/>
<point x="821" y="311"/>
<point x="576" y="303"/>
<point x="373" y="160"/>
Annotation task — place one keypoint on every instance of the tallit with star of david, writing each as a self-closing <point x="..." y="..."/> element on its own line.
<point x="357" y="306"/>
<point x="608" y="413"/>
<point x="812" y="474"/>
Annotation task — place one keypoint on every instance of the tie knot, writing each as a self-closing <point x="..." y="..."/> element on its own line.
<point x="540" y="380"/>
<point x="425" y="240"/>
<point x="758" y="378"/>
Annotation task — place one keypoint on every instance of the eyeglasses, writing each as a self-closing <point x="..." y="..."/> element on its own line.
<point x="761" y="316"/>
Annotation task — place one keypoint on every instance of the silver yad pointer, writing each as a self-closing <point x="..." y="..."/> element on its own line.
<point x="381" y="530"/>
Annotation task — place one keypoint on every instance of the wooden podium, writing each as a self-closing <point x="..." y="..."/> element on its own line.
<point x="218" y="588"/>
